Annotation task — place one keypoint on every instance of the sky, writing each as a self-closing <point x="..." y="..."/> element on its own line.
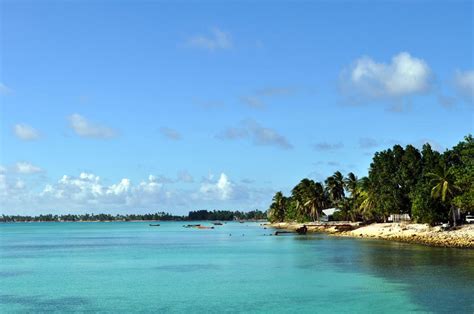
<point x="144" y="106"/>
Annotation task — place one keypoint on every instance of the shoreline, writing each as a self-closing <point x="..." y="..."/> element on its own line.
<point x="460" y="237"/>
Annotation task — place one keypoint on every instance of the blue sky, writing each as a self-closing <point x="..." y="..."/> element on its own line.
<point x="158" y="105"/>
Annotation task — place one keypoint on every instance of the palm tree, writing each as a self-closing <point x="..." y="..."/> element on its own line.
<point x="277" y="208"/>
<point x="444" y="188"/>
<point x="335" y="187"/>
<point x="366" y="193"/>
<point x="315" y="199"/>
<point x="351" y="183"/>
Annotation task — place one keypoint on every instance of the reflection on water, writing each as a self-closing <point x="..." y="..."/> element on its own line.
<point x="438" y="278"/>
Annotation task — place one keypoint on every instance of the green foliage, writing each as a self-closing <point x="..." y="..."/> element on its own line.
<point x="424" y="184"/>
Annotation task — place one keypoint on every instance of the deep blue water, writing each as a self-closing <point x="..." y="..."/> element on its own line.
<point x="132" y="267"/>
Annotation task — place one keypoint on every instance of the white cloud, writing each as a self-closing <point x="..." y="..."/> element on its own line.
<point x="464" y="82"/>
<point x="87" y="192"/>
<point x="25" y="132"/>
<point x="258" y="134"/>
<point x="85" y="128"/>
<point x="404" y="76"/>
<point x="26" y="168"/>
<point x="222" y="189"/>
<point x="218" y="39"/>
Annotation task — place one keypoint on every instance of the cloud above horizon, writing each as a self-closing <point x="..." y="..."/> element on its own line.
<point x="23" y="167"/>
<point x="367" y="79"/>
<point x="464" y="83"/>
<point x="257" y="134"/>
<point x="87" y="191"/>
<point x="85" y="128"/>
<point x="217" y="39"/>
<point x="25" y="132"/>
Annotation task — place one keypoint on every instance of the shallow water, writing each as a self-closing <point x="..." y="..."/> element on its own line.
<point x="132" y="267"/>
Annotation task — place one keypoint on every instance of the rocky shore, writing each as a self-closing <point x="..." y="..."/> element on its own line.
<point x="459" y="237"/>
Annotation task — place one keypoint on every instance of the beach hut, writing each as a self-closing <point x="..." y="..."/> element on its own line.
<point x="329" y="213"/>
<point x="399" y="218"/>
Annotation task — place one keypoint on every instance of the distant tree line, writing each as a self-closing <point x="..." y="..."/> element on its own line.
<point x="427" y="185"/>
<point x="162" y="216"/>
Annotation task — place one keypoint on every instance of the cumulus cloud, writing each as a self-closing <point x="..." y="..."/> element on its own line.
<point x="25" y="132"/>
<point x="217" y="39"/>
<point x="26" y="168"/>
<point x="170" y="133"/>
<point x="87" y="189"/>
<point x="259" y="135"/>
<point x="464" y="83"/>
<point x="85" y="128"/>
<point x="222" y="189"/>
<point x="403" y="76"/>
<point x="88" y="192"/>
<point x="325" y="146"/>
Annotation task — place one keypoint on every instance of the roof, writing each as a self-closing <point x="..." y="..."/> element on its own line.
<point x="330" y="211"/>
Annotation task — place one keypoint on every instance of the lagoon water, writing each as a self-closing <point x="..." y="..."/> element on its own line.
<point x="132" y="267"/>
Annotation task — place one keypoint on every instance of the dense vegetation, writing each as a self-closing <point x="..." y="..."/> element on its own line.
<point x="425" y="184"/>
<point x="162" y="216"/>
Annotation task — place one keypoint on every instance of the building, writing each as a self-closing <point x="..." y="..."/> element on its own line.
<point x="329" y="213"/>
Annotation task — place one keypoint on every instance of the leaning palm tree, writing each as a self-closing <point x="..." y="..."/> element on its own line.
<point x="351" y="183"/>
<point x="335" y="187"/>
<point x="444" y="188"/>
<point x="314" y="199"/>
<point x="366" y="193"/>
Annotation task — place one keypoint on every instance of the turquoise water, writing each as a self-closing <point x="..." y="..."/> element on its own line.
<point x="131" y="267"/>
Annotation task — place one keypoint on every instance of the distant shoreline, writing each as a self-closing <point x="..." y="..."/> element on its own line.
<point x="82" y="221"/>
<point x="460" y="237"/>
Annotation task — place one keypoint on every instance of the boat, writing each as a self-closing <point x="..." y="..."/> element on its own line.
<point x="191" y="226"/>
<point x="157" y="225"/>
<point x="204" y="227"/>
<point x="217" y="223"/>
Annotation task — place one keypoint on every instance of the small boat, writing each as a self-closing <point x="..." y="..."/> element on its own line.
<point x="157" y="225"/>
<point x="191" y="226"/>
<point x="302" y="230"/>
<point x="217" y="223"/>
<point x="204" y="227"/>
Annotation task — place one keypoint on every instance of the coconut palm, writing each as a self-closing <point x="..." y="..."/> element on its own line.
<point x="335" y="187"/>
<point x="351" y="183"/>
<point x="443" y="187"/>
<point x="277" y="208"/>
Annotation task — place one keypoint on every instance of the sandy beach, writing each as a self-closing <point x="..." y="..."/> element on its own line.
<point x="459" y="237"/>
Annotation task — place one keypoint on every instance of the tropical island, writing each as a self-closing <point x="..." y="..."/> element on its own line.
<point x="224" y="215"/>
<point x="425" y="194"/>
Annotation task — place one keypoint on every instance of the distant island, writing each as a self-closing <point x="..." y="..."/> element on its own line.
<point x="224" y="215"/>
<point x="403" y="185"/>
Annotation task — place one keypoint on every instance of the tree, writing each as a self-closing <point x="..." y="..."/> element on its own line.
<point x="277" y="208"/>
<point x="443" y="187"/>
<point x="335" y="187"/>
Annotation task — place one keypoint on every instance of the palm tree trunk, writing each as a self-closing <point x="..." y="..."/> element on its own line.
<point x="454" y="216"/>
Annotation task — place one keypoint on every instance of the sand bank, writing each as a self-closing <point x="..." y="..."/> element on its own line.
<point x="460" y="237"/>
